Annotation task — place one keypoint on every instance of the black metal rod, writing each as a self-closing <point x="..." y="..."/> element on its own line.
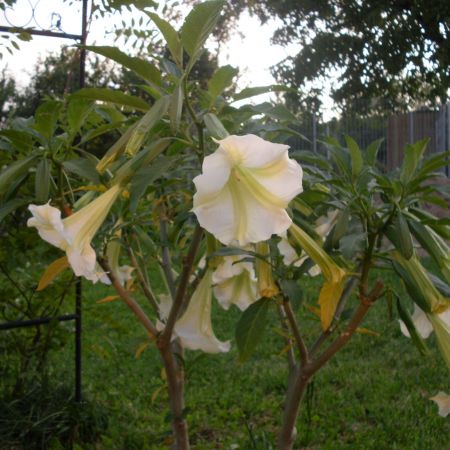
<point x="78" y="317"/>
<point x="34" y="322"/>
<point x="48" y="33"/>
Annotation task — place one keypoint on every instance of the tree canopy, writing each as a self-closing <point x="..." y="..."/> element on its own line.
<point x="394" y="51"/>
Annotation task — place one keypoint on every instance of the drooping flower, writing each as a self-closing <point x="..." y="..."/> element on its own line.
<point x="443" y="402"/>
<point x="75" y="233"/>
<point x="122" y="273"/>
<point x="244" y="189"/>
<point x="426" y="323"/>
<point x="235" y="283"/>
<point x="323" y="226"/>
<point x="334" y="275"/>
<point x="194" y="327"/>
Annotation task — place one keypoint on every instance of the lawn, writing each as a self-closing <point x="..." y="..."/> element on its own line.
<point x="373" y="394"/>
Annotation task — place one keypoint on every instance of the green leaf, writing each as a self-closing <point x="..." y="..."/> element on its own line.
<point x="13" y="171"/>
<point x="176" y="108"/>
<point x="19" y="139"/>
<point x="46" y="118"/>
<point x="426" y="239"/>
<point x="415" y="336"/>
<point x="139" y="66"/>
<point x="258" y="90"/>
<point x="171" y="36"/>
<point x="352" y="244"/>
<point x="198" y="25"/>
<point x="412" y="287"/>
<point x="214" y="126"/>
<point x="250" y="328"/>
<point x="42" y="181"/>
<point x="115" y="97"/>
<point x="146" y="123"/>
<point x="221" y="79"/>
<point x="82" y="167"/>
<point x="356" y="157"/>
<point x="144" y="157"/>
<point x="341" y="227"/>
<point x="146" y="176"/>
<point x="115" y="150"/>
<point x="293" y="291"/>
<point x="11" y="206"/>
<point x="77" y="111"/>
<point x="372" y="151"/>
<point x="400" y="236"/>
<point x="412" y="156"/>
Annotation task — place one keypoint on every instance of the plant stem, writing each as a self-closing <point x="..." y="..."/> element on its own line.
<point x="175" y="383"/>
<point x="166" y="263"/>
<point x="129" y="301"/>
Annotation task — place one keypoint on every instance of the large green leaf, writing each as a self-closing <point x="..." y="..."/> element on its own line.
<point x="146" y="123"/>
<point x="415" y="336"/>
<point x="258" y="90"/>
<point x="141" y="67"/>
<point x="221" y="79"/>
<point x="250" y="328"/>
<point x="19" y="139"/>
<point x="77" y="111"/>
<point x="12" y="205"/>
<point x="398" y="233"/>
<point x="46" y="118"/>
<point x="15" y="170"/>
<point x="356" y="156"/>
<point x="215" y="126"/>
<point x="171" y="36"/>
<point x="110" y="96"/>
<point x="42" y="181"/>
<point x="412" y="155"/>
<point x="198" y="25"/>
<point x="84" y="168"/>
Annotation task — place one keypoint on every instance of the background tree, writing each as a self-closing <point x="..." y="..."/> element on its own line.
<point x="395" y="52"/>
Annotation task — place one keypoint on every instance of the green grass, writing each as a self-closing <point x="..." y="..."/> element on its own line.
<point x="373" y="394"/>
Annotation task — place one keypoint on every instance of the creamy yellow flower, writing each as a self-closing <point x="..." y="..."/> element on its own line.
<point x="244" y="189"/>
<point x="235" y="283"/>
<point x="194" y="327"/>
<point x="334" y="275"/>
<point x="75" y="233"/>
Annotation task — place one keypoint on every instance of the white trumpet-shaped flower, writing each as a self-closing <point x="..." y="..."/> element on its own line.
<point x="426" y="323"/>
<point x="194" y="327"/>
<point x="75" y="233"/>
<point x="443" y="402"/>
<point x="244" y="189"/>
<point x="235" y="283"/>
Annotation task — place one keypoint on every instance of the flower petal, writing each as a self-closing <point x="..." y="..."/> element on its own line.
<point x="47" y="220"/>
<point x="443" y="402"/>
<point x="194" y="327"/>
<point x="421" y="322"/>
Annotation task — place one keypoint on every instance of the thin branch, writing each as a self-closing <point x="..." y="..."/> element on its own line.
<point x="290" y="352"/>
<point x="182" y="285"/>
<point x="129" y="301"/>
<point x="303" y="350"/>
<point x="143" y="283"/>
<point x="344" y="337"/>
<point x="166" y="262"/>
<point x="13" y="282"/>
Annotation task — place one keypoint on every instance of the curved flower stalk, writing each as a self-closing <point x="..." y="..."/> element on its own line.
<point x="75" y="233"/>
<point x="324" y="224"/>
<point x="436" y="302"/>
<point x="266" y="285"/>
<point x="334" y="275"/>
<point x="235" y="283"/>
<point x="194" y="327"/>
<point x="443" y="402"/>
<point x="244" y="189"/>
<point x="122" y="273"/>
